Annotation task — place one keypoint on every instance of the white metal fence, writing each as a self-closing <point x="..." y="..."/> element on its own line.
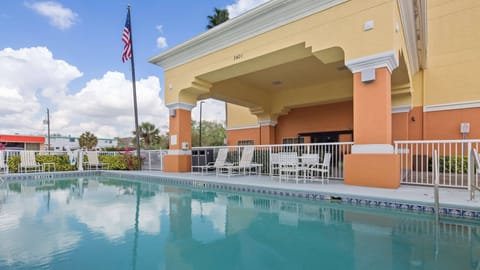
<point x="152" y="159"/>
<point x="263" y="153"/>
<point x="456" y="168"/>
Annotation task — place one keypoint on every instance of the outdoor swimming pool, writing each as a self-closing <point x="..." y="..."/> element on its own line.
<point x="106" y="223"/>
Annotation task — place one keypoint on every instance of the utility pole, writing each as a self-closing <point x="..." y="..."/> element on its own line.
<point x="47" y="122"/>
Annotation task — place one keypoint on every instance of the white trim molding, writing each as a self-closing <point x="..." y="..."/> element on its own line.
<point x="386" y="59"/>
<point x="415" y="31"/>
<point x="372" y="149"/>
<point x="242" y="127"/>
<point x="175" y="152"/>
<point x="401" y="109"/>
<point x="452" y="106"/>
<point x="268" y="16"/>
<point x="180" y="105"/>
<point x="267" y="123"/>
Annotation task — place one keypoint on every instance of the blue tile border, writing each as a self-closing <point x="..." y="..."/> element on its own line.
<point x="268" y="191"/>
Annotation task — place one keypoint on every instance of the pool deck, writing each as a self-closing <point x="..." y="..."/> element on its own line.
<point x="448" y="197"/>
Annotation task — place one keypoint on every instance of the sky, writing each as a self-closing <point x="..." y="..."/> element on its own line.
<point x="65" y="56"/>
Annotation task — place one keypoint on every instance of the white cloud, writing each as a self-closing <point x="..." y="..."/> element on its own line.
<point x="161" y="41"/>
<point x="59" y="16"/>
<point x="31" y="79"/>
<point x="105" y="107"/>
<point x="212" y="110"/>
<point x="241" y="6"/>
<point x="28" y="76"/>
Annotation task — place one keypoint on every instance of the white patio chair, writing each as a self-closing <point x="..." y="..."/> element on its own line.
<point x="307" y="161"/>
<point x="220" y="161"/>
<point x="319" y="171"/>
<point x="93" y="161"/>
<point x="28" y="162"/>
<point x="289" y="166"/>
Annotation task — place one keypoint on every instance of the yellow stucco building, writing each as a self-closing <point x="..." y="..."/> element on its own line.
<point x="367" y="71"/>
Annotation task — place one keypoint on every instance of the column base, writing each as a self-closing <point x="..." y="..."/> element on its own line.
<point x="372" y="170"/>
<point x="177" y="163"/>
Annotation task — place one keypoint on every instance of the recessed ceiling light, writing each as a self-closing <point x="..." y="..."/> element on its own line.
<point x="276" y="83"/>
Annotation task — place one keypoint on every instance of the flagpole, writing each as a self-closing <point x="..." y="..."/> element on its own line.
<point x="134" y="95"/>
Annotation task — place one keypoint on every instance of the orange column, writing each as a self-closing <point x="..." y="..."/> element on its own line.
<point x="179" y="157"/>
<point x="372" y="162"/>
<point x="267" y="132"/>
<point x="372" y="109"/>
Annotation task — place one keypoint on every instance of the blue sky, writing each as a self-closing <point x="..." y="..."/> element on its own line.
<point x="66" y="55"/>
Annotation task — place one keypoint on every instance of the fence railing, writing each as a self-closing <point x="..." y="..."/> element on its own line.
<point x="262" y="155"/>
<point x="454" y="162"/>
<point x="152" y="159"/>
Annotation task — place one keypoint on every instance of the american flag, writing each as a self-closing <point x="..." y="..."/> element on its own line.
<point x="127" y="48"/>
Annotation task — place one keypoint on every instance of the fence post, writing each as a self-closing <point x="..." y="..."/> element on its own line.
<point x="470" y="166"/>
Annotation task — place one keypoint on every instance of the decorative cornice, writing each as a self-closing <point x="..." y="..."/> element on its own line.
<point x="401" y="109"/>
<point x="266" y="17"/>
<point x="415" y="31"/>
<point x="407" y="14"/>
<point x="452" y="106"/>
<point x="242" y="127"/>
<point x="267" y="123"/>
<point x="386" y="59"/>
<point x="180" y="105"/>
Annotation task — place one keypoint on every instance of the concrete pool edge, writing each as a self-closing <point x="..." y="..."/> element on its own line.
<point x="265" y="187"/>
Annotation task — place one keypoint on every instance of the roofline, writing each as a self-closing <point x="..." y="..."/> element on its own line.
<point x="268" y="16"/>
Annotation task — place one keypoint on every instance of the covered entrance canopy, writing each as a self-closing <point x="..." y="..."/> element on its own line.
<point x="288" y="55"/>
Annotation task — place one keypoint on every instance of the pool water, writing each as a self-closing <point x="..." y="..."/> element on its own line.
<point x="102" y="223"/>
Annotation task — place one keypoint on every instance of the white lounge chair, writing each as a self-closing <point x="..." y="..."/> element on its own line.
<point x="28" y="162"/>
<point x="319" y="171"/>
<point x="93" y="161"/>
<point x="3" y="162"/>
<point x="244" y="165"/>
<point x="220" y="161"/>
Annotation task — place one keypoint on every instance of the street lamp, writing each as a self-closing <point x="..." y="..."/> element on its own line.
<point x="200" y="131"/>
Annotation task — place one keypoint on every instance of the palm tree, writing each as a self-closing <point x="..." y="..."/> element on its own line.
<point x="149" y="134"/>
<point x="220" y="16"/>
<point x="88" y="140"/>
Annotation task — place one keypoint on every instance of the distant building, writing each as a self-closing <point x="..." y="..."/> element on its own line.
<point x="21" y="142"/>
<point x="68" y="142"/>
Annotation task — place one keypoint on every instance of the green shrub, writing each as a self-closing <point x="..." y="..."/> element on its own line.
<point x="13" y="164"/>
<point x="123" y="161"/>
<point x="453" y="164"/>
<point x="62" y="162"/>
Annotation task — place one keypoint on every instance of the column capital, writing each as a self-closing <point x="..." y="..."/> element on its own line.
<point x="263" y="123"/>
<point x="180" y="105"/>
<point x="387" y="59"/>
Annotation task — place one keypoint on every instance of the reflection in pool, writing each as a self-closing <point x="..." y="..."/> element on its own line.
<point x="102" y="223"/>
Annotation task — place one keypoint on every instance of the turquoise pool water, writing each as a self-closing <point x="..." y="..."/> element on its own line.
<point x="99" y="223"/>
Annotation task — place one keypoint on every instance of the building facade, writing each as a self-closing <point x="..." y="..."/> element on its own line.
<point x="367" y="71"/>
<point x="21" y="142"/>
<point x="69" y="142"/>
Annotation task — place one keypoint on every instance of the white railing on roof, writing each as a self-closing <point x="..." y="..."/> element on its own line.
<point x="263" y="155"/>
<point x="454" y="160"/>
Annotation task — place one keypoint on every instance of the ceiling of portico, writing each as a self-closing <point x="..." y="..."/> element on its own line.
<point x="293" y="77"/>
<point x="292" y="69"/>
